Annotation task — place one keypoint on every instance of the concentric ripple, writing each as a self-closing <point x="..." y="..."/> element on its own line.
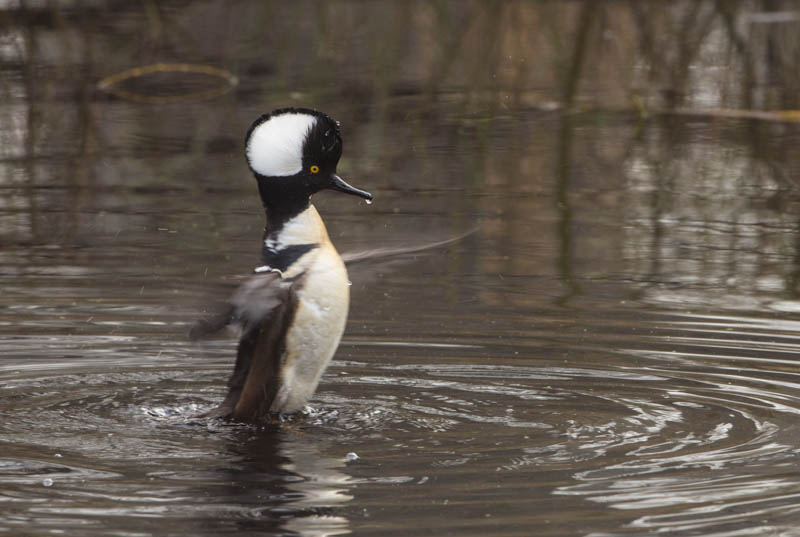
<point x="689" y="430"/>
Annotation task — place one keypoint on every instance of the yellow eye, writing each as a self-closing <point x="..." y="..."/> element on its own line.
<point x="314" y="169"/>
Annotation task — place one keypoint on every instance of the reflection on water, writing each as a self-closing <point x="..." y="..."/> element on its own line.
<point x="611" y="353"/>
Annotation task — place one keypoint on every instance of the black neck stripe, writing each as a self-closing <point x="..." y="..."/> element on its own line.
<point x="284" y="258"/>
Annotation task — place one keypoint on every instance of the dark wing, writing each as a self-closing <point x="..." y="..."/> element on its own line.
<point x="263" y="306"/>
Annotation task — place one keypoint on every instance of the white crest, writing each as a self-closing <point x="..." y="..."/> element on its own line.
<point x="275" y="147"/>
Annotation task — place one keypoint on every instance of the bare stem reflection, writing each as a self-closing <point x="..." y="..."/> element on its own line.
<point x="425" y="76"/>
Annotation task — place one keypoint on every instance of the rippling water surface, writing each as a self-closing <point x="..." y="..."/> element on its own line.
<point x="613" y="351"/>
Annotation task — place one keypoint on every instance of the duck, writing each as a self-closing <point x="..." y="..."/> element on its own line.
<point x="293" y="308"/>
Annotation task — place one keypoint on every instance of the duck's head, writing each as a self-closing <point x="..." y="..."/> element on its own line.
<point x="293" y="153"/>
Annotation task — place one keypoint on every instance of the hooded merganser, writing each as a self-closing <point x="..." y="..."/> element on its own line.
<point x="292" y="311"/>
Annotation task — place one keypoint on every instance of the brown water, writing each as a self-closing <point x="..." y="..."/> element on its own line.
<point x="612" y="352"/>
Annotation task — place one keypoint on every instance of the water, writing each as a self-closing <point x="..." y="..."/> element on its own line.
<point x="612" y="352"/>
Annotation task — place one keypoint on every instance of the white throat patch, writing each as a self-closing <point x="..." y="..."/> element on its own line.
<point x="275" y="147"/>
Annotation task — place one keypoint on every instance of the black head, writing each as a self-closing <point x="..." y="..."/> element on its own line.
<point x="293" y="153"/>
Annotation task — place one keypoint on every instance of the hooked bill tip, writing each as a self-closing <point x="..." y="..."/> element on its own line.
<point x="337" y="183"/>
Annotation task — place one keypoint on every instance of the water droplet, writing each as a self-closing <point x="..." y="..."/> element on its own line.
<point x="349" y="283"/>
<point x="47" y="482"/>
<point x="351" y="457"/>
<point x="58" y="455"/>
<point x="369" y="202"/>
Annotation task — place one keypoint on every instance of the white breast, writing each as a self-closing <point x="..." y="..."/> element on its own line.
<point x="321" y="314"/>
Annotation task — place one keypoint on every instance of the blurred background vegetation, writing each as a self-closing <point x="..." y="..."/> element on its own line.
<point x="621" y="136"/>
